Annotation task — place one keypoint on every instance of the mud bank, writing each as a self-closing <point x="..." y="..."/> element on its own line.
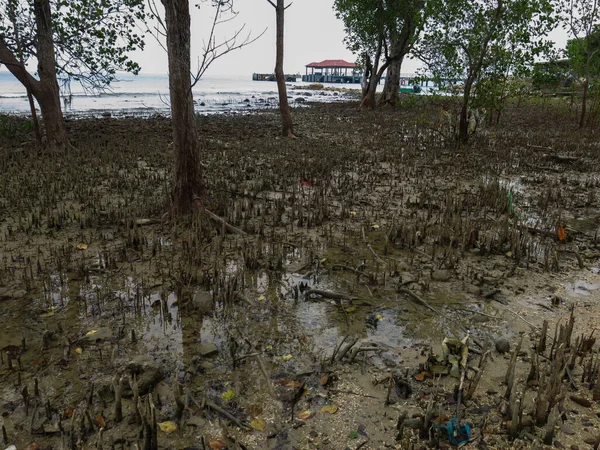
<point x="366" y="242"/>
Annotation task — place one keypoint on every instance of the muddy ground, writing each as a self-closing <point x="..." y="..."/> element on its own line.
<point x="358" y="247"/>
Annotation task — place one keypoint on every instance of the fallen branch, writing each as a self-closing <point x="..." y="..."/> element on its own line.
<point x="375" y="254"/>
<point x="420" y="300"/>
<point x="327" y="294"/>
<point x="222" y="222"/>
<point x="206" y="403"/>
<point x="218" y="219"/>
<point x="337" y="349"/>
<point x="355" y="351"/>
<point x="360" y="394"/>
<point x="345" y="350"/>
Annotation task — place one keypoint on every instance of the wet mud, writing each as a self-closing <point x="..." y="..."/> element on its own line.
<point x="367" y="241"/>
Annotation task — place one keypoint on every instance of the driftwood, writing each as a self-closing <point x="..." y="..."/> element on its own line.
<point x="218" y="219"/>
<point x="345" y="349"/>
<point x="223" y="412"/>
<point x="222" y="222"/>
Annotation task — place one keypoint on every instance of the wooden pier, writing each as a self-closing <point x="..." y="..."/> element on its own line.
<point x="292" y="78"/>
<point x="332" y="71"/>
<point x="340" y="71"/>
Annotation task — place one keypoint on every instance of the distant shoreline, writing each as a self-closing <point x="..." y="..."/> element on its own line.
<point x="148" y="96"/>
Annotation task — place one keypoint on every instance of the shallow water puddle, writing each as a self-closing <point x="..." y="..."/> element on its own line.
<point x="582" y="288"/>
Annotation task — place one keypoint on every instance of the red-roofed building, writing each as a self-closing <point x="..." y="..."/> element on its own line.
<point x="332" y="71"/>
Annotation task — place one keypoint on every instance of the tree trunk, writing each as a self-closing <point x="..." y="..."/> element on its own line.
<point x="189" y="182"/>
<point x="46" y="91"/>
<point x="34" y="117"/>
<point x="463" y="126"/>
<point x="19" y="44"/>
<point x="284" y="107"/>
<point x="364" y="83"/>
<point x="390" y="96"/>
<point x="368" y="101"/>
<point x="584" y="103"/>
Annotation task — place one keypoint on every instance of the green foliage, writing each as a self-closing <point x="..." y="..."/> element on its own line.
<point x="469" y="38"/>
<point x="11" y="126"/>
<point x="584" y="55"/>
<point x="92" y="38"/>
<point x="551" y="74"/>
<point x="372" y="25"/>
<point x="483" y="47"/>
<point x="363" y="22"/>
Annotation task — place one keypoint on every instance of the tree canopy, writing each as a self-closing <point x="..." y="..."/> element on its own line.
<point x="468" y="41"/>
<point x="379" y="31"/>
<point x="92" y="38"/>
<point x="580" y="50"/>
<point x="466" y="38"/>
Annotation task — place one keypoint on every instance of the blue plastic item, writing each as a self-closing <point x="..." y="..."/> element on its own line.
<point x="457" y="435"/>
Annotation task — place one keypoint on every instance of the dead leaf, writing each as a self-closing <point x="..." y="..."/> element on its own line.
<point x="78" y="350"/>
<point x="216" y="444"/>
<point x="167" y="427"/>
<point x="421" y="376"/>
<point x="228" y="396"/>
<point x="37" y="362"/>
<point x="258" y="424"/>
<point x="68" y="412"/>
<point x="441" y="419"/>
<point x="324" y="380"/>
<point x="100" y="421"/>
<point x="290" y="384"/>
<point x="254" y="410"/>
<point x="562" y="234"/>
<point x="81" y="246"/>
<point x="303" y="415"/>
<point x="331" y="409"/>
<point x="32" y="446"/>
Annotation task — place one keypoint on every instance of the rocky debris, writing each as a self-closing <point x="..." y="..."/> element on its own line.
<point x="97" y="336"/>
<point x="472" y="289"/>
<point x="407" y="278"/>
<point x="208" y="349"/>
<point x="566" y="429"/>
<point x="441" y="275"/>
<point x="581" y="401"/>
<point x="502" y="346"/>
<point x="147" y="371"/>
<point x="195" y="421"/>
<point x="203" y="303"/>
<point x="207" y="365"/>
<point x="9" y="293"/>
<point x="145" y="222"/>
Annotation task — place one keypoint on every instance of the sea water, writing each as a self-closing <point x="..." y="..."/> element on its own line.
<point x="144" y="95"/>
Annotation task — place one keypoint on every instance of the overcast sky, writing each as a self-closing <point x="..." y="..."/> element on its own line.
<point x="312" y="33"/>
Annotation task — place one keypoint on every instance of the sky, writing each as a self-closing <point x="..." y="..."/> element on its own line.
<point x="312" y="34"/>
